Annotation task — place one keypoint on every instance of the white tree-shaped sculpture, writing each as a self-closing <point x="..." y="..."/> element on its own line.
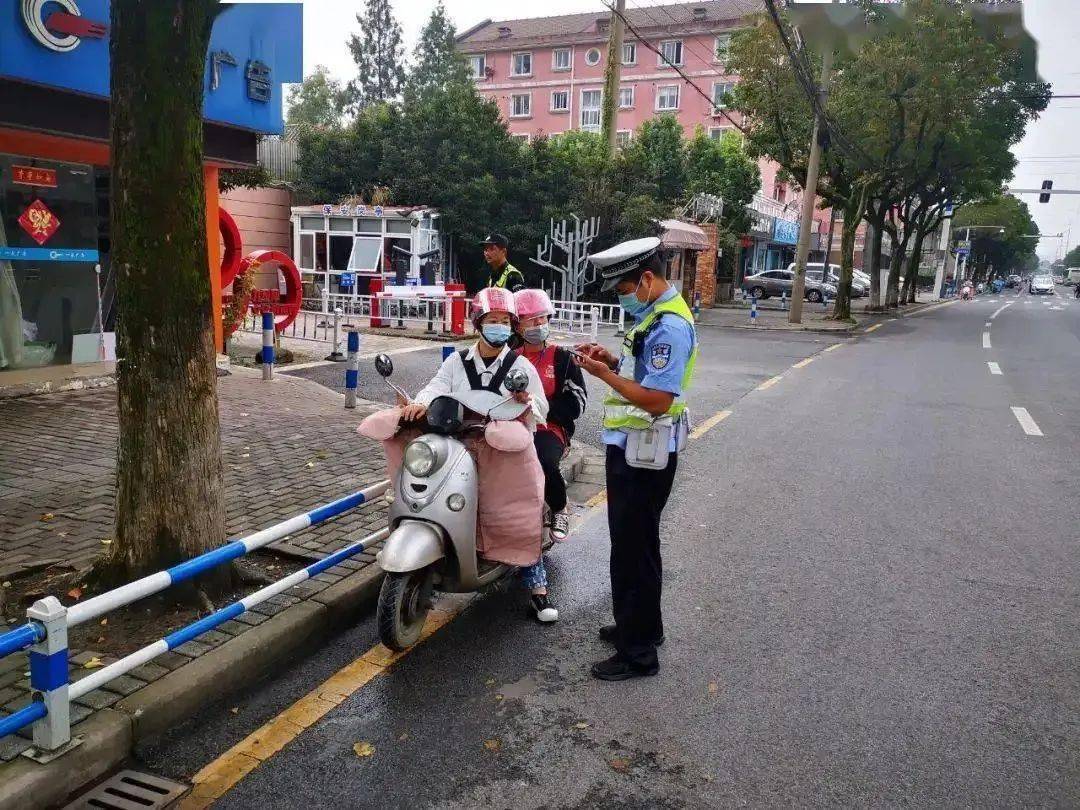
<point x="575" y="271"/>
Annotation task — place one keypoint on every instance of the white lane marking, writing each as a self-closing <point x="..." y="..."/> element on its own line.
<point x="987" y="324"/>
<point x="986" y="340"/>
<point x="999" y="310"/>
<point x="994" y="367"/>
<point x="1026" y="422"/>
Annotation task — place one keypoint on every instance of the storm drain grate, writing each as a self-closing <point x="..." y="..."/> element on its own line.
<point x="130" y="790"/>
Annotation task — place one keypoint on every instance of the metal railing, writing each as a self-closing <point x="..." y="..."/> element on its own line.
<point x="48" y="621"/>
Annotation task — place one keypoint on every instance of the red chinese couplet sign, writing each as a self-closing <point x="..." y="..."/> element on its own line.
<point x="33" y="176"/>
<point x="38" y="221"/>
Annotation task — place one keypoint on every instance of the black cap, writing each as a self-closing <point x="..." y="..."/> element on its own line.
<point x="497" y="239"/>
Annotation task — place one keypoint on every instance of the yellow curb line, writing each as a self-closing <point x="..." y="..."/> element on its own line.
<point x="804" y="363"/>
<point x="709" y="424"/>
<point x="223" y="774"/>
<point x="770" y="383"/>
<point x="872" y="328"/>
<point x="834" y="347"/>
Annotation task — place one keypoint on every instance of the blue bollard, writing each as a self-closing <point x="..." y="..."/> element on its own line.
<point x="753" y="308"/>
<point x="268" y="345"/>
<point x="697" y="305"/>
<point x="446" y="352"/>
<point x="352" y="368"/>
<point x="783" y="300"/>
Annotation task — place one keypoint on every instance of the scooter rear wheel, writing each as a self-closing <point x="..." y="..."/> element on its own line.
<point x="404" y="602"/>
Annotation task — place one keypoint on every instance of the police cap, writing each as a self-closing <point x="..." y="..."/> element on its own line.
<point x="623" y="258"/>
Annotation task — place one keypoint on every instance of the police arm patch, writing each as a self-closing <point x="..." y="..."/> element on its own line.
<point x="660" y="356"/>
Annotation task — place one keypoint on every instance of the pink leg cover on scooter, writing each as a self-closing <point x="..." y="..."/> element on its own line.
<point x="510" y="514"/>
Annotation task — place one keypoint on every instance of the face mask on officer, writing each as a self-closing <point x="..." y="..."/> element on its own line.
<point x="633" y="305"/>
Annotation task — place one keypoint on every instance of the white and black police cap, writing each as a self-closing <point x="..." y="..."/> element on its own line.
<point x="623" y="258"/>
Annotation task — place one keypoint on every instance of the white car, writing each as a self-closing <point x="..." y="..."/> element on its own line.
<point x="1042" y="285"/>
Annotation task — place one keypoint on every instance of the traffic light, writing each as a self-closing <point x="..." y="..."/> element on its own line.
<point x="1047" y="185"/>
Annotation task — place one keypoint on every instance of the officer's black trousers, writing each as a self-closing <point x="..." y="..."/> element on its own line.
<point x="636" y="499"/>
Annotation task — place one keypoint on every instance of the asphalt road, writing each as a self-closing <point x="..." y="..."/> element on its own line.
<point x="871" y="593"/>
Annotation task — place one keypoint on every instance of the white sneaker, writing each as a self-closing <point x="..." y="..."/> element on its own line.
<point x="560" y="526"/>
<point x="544" y="610"/>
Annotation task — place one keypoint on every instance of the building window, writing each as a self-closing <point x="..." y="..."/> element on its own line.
<point x="521" y="105"/>
<point x="592" y="56"/>
<point x="522" y="65"/>
<point x="622" y="137"/>
<point x="667" y="97"/>
<point x="560" y="100"/>
<point x="720" y="91"/>
<point x="779" y="192"/>
<point x="560" y="59"/>
<point x="670" y="52"/>
<point x="478" y="66"/>
<point x="722" y="48"/>
<point x="520" y="136"/>
<point x="626" y="98"/>
<point x="590" y="110"/>
<point x="629" y="53"/>
<point x="718" y="132"/>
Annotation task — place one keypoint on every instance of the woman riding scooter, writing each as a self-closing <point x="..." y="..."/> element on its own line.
<point x="564" y="387"/>
<point x="485" y="366"/>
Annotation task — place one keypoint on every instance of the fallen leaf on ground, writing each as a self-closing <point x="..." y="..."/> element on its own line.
<point x="311" y="463"/>
<point x="713" y="688"/>
<point x="234" y="710"/>
<point x="489" y="682"/>
<point x="245" y="455"/>
<point x="492" y="745"/>
<point x="581" y="725"/>
<point x="47" y="517"/>
<point x="403" y="737"/>
<point x="75" y="593"/>
<point x="499" y="697"/>
<point x="619" y="764"/>
<point x="363" y="749"/>
<point x="106" y="541"/>
<point x="6" y="584"/>
<point x="62" y="534"/>
<point x="93" y="663"/>
<point x="322" y="454"/>
<point x="104" y="621"/>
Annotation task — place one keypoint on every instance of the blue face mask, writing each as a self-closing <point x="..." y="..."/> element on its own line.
<point x="496" y="334"/>
<point x="631" y="304"/>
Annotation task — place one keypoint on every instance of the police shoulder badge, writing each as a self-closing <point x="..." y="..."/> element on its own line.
<point x="661" y="355"/>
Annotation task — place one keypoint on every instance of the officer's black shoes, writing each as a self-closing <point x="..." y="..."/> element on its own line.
<point x="618" y="668"/>
<point x="607" y="633"/>
<point x="543" y="609"/>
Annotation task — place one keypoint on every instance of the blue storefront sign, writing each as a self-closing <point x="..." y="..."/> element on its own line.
<point x="48" y="254"/>
<point x="254" y="49"/>
<point x="348" y="280"/>
<point x="785" y="231"/>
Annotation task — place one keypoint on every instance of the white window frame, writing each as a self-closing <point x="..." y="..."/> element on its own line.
<point x="555" y="66"/>
<point x="726" y="39"/>
<point x="717" y="107"/>
<point x="632" y="47"/>
<point x="597" y="110"/>
<point x="513" y="106"/>
<point x="660" y="92"/>
<point x="629" y="133"/>
<point x="521" y="136"/>
<point x="553" y="108"/>
<point x="599" y="57"/>
<point x="716" y="133"/>
<point x="622" y="90"/>
<point x="514" y="63"/>
<point x="475" y="60"/>
<point x="662" y="61"/>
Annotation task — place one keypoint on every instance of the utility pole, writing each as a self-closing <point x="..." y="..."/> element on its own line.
<point x="809" y="197"/>
<point x="612" y="73"/>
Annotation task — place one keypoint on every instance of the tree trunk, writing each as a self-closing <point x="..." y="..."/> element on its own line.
<point x="892" y="287"/>
<point x="170" y="499"/>
<point x="911" y="280"/>
<point x="875" y="264"/>
<point x="848" y="232"/>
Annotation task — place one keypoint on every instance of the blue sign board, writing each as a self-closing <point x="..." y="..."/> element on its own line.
<point x="785" y="231"/>
<point x="348" y="280"/>
<point x="254" y="49"/>
<point x="48" y="254"/>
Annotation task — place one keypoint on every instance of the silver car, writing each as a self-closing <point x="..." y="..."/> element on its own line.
<point x="778" y="282"/>
<point x="858" y="288"/>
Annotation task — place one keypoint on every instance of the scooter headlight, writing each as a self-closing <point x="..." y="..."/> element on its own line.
<point x="456" y="502"/>
<point x="420" y="458"/>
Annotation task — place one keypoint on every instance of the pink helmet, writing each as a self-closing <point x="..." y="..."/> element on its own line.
<point x="531" y="303"/>
<point x="492" y="299"/>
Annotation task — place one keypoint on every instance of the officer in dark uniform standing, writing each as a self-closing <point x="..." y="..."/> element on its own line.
<point x="501" y="273"/>
<point x="645" y="426"/>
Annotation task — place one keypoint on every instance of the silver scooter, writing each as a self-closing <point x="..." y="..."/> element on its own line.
<point x="432" y="542"/>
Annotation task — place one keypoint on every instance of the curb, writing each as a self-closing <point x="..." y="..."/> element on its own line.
<point x="109" y="735"/>
<point x="841" y="330"/>
<point x="56" y="386"/>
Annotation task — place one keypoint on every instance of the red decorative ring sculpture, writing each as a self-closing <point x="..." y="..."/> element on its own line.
<point x="233" y="255"/>
<point x="285" y="308"/>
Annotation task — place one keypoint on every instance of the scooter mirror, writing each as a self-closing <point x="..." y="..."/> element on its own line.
<point x="384" y="365"/>
<point x="516" y="381"/>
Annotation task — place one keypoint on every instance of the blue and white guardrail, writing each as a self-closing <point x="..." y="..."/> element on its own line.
<point x="45" y="632"/>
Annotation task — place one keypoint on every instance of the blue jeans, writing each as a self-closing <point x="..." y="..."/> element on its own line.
<point x="535" y="575"/>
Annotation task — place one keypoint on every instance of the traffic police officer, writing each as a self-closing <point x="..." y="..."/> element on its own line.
<point x="645" y="427"/>
<point x="502" y="273"/>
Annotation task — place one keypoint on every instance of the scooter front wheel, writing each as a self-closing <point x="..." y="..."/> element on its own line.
<point x="404" y="602"/>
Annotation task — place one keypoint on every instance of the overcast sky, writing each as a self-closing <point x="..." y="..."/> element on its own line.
<point x="1051" y="149"/>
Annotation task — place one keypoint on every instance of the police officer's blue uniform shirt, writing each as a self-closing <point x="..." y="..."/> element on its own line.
<point x="662" y="365"/>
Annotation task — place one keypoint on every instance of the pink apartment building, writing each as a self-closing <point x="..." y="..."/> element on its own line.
<point x="546" y="74"/>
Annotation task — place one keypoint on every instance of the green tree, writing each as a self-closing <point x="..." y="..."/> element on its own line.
<point x="345" y="160"/>
<point x="655" y="160"/>
<point x="436" y="60"/>
<point x="169" y="439"/>
<point x="990" y="249"/>
<point x="1072" y="258"/>
<point x="721" y="166"/>
<point x="316" y="103"/>
<point x="379" y="56"/>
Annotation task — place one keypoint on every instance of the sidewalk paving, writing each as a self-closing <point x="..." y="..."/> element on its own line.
<point x="770" y="319"/>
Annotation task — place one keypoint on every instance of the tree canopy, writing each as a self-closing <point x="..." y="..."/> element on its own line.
<point x="379" y="56"/>
<point x="316" y="102"/>
<point x="1004" y="252"/>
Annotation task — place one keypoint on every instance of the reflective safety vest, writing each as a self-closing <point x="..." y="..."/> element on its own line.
<point x="504" y="277"/>
<point x="619" y="414"/>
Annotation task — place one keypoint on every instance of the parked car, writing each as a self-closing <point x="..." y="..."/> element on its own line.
<point x="814" y="271"/>
<point x="863" y="277"/>
<point x="1013" y="281"/>
<point x="777" y="282"/>
<point x="1041" y="285"/>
